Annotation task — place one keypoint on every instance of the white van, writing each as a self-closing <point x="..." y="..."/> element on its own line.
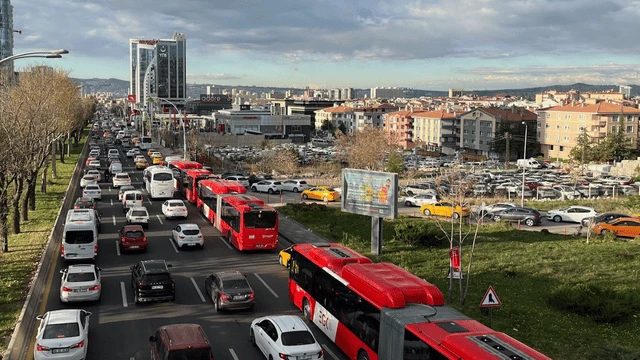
<point x="132" y="198"/>
<point x="528" y="164"/>
<point x="80" y="235"/>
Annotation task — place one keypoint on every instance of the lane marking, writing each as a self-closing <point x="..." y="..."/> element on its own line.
<point x="109" y="188"/>
<point x="233" y="354"/>
<point x="328" y="351"/>
<point x="111" y="202"/>
<point x="149" y="200"/>
<point x="117" y="248"/>
<point x="113" y="217"/>
<point x="225" y="242"/>
<point x="124" y="294"/>
<point x="158" y="216"/>
<point x="132" y="358"/>
<point x="193" y="281"/>
<point x="174" y="245"/>
<point x="267" y="286"/>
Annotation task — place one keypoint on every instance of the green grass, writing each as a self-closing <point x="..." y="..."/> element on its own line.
<point x="524" y="268"/>
<point x="19" y="264"/>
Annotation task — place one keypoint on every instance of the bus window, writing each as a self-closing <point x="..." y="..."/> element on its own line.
<point x="260" y="220"/>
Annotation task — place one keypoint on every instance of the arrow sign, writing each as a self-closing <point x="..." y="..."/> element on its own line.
<point x="490" y="299"/>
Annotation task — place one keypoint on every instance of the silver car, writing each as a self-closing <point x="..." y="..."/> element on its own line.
<point x="80" y="283"/>
<point x="92" y="191"/>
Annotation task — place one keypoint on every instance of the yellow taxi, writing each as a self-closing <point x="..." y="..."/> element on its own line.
<point x="323" y="193"/>
<point x="445" y="209"/>
<point x="285" y="256"/>
<point x="151" y="151"/>
<point x="157" y="159"/>
<point x="142" y="164"/>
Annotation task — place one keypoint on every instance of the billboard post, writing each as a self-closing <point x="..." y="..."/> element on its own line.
<point x="371" y="193"/>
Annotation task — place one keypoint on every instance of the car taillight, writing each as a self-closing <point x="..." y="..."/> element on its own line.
<point x="200" y="236"/>
<point x="41" y="347"/>
<point x="95" y="248"/>
<point x="181" y="237"/>
<point x="94" y="288"/>
<point x="283" y="356"/>
<point x="144" y="239"/>
<point x="140" y="283"/>
<point x="320" y="353"/>
<point x="78" y="345"/>
<point x="66" y="289"/>
<point x="62" y="249"/>
<point x="252" y="295"/>
<point x="173" y="284"/>
<point x="224" y="297"/>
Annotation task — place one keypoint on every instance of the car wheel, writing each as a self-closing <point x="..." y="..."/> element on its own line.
<point x="216" y="305"/>
<point x="270" y="191"/>
<point x="306" y="309"/>
<point x="135" y="295"/>
<point x="254" y="189"/>
<point x="295" y="190"/>
<point x="305" y="196"/>
<point x="557" y="218"/>
<point x="455" y="216"/>
<point x="408" y="203"/>
<point x="362" y="355"/>
<point x="426" y="212"/>
<point x="252" y="337"/>
<point x="529" y="222"/>
<point x="280" y="260"/>
<point x="496" y="218"/>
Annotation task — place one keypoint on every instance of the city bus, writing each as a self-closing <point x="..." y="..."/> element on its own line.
<point x="248" y="223"/>
<point x="178" y="167"/>
<point x="189" y="184"/>
<point x="145" y="143"/>
<point x="158" y="181"/>
<point x="380" y="311"/>
<point x="208" y="192"/>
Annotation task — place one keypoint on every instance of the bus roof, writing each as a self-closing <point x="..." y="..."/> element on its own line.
<point x="197" y="172"/>
<point x="331" y="256"/>
<point x="186" y="165"/>
<point x="245" y="203"/>
<point x="219" y="187"/>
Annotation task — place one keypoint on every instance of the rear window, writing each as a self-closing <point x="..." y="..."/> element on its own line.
<point x="79" y="237"/>
<point x="191" y="232"/>
<point x="80" y="277"/>
<point x="302" y="182"/>
<point x="293" y="338"/>
<point x="260" y="220"/>
<point x="174" y="204"/>
<point x="190" y="354"/>
<point x="133" y="234"/>
<point x="162" y="177"/>
<point x="134" y="197"/>
<point x="235" y="284"/>
<point x="59" y="331"/>
<point x="122" y="176"/>
<point x="139" y="213"/>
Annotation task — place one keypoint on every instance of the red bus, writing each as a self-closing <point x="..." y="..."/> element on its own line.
<point x="177" y="167"/>
<point x="190" y="180"/>
<point x="380" y="311"/>
<point x="208" y="192"/>
<point x="248" y="223"/>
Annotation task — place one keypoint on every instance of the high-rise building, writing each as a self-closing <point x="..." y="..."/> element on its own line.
<point x="159" y="69"/>
<point x="455" y="92"/>
<point x="213" y="90"/>
<point x="6" y="32"/>
<point x="346" y="94"/>
<point x="386" y="92"/>
<point x="625" y="90"/>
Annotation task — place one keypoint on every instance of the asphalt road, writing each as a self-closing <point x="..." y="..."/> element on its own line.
<point x="120" y="329"/>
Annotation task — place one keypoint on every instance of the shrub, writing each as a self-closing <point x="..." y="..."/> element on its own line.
<point x="601" y="305"/>
<point x="414" y="232"/>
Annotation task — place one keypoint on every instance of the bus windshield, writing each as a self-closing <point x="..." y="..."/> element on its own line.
<point x="260" y="219"/>
<point x="162" y="177"/>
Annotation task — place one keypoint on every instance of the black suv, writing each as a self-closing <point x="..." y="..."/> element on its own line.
<point x="152" y="281"/>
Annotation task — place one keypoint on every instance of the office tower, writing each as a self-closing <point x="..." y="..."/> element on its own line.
<point x="6" y="33"/>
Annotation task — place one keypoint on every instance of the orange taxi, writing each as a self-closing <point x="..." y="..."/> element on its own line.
<point x="623" y="227"/>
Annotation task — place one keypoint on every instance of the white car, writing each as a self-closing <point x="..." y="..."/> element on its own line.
<point x="62" y="334"/>
<point x="284" y="335"/>
<point x="270" y="186"/>
<point x="139" y="158"/>
<point x="122" y="190"/>
<point x="419" y="200"/>
<point x="155" y="154"/>
<point x="187" y="235"/>
<point x="92" y="191"/>
<point x="488" y="210"/>
<point x="138" y="215"/>
<point x="174" y="208"/>
<point x="133" y="152"/>
<point x="571" y="214"/>
<point x="121" y="179"/>
<point x="95" y="173"/>
<point x="80" y="283"/>
<point x="88" y="179"/>
<point x="113" y="152"/>
<point x="94" y="153"/>
<point x="239" y="179"/>
<point x="294" y="185"/>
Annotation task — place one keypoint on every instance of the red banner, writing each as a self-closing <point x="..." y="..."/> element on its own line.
<point x="131" y="97"/>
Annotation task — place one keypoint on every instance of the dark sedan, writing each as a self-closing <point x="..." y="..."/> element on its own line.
<point x="605" y="217"/>
<point x="229" y="290"/>
<point x="526" y="215"/>
<point x="84" y="203"/>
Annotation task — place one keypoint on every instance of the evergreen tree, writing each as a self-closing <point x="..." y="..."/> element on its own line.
<point x="395" y="164"/>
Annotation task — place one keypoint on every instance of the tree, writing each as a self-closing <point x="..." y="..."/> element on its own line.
<point x="342" y="128"/>
<point x="327" y="126"/>
<point x="583" y="151"/>
<point x="366" y="149"/>
<point x="395" y="164"/>
<point x="285" y="162"/>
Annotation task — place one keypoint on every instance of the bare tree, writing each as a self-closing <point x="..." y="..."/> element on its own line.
<point x="366" y="149"/>
<point x="284" y="162"/>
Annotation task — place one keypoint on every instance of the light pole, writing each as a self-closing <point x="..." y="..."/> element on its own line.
<point x="47" y="54"/>
<point x="524" y="156"/>
<point x="184" y="130"/>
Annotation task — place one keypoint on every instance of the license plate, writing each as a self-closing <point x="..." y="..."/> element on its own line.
<point x="59" y="351"/>
<point x="239" y="297"/>
<point x="157" y="287"/>
<point x="191" y="244"/>
<point x="80" y="290"/>
<point x="259" y="245"/>
<point x="304" y="357"/>
<point x="134" y="247"/>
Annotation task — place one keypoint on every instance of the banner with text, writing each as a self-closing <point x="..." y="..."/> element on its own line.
<point x="371" y="193"/>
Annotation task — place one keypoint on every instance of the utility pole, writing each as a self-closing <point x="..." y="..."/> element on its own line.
<point x="506" y="138"/>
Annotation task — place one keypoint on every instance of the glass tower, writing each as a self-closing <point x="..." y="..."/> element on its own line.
<point x="6" y="33"/>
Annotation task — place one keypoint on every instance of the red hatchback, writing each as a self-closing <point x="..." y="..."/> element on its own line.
<point x="132" y="237"/>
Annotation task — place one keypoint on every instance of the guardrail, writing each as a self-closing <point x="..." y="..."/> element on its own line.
<point x="18" y="348"/>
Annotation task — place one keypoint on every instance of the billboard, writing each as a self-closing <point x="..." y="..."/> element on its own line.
<point x="371" y="193"/>
<point x="215" y="98"/>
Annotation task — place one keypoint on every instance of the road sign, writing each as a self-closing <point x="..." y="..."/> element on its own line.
<point x="490" y="299"/>
<point x="131" y="97"/>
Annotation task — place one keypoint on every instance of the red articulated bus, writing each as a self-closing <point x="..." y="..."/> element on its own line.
<point x="208" y="192"/>
<point x="380" y="311"/>
<point x="178" y="167"/>
<point x="190" y="180"/>
<point x="248" y="223"/>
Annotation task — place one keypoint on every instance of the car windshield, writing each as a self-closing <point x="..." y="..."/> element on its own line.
<point x="59" y="331"/>
<point x="293" y="338"/>
<point x="134" y="234"/>
<point x="190" y="354"/>
<point x="79" y="237"/>
<point x="260" y="219"/>
<point x="191" y="232"/>
<point x="80" y="277"/>
<point x="235" y="284"/>
<point x="139" y="213"/>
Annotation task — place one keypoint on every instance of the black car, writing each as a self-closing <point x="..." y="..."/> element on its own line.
<point x="605" y="217"/>
<point x="152" y="281"/>
<point x="253" y="178"/>
<point x="229" y="290"/>
<point x="84" y="203"/>
<point x="526" y="215"/>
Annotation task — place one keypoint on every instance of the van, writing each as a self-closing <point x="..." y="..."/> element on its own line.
<point x="528" y="164"/>
<point x="180" y="341"/>
<point x="80" y="235"/>
<point x="131" y="199"/>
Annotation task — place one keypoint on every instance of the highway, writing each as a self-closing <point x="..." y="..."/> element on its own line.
<point x="120" y="329"/>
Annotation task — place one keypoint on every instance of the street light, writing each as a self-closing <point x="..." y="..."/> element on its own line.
<point x="524" y="156"/>
<point x="184" y="130"/>
<point x="47" y="54"/>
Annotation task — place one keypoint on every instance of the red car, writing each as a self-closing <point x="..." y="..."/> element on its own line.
<point x="89" y="160"/>
<point x="132" y="237"/>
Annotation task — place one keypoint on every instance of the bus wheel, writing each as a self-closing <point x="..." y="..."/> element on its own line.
<point x="229" y="236"/>
<point x="362" y="355"/>
<point x="306" y="309"/>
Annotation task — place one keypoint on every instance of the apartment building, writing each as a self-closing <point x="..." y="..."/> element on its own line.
<point x="478" y="126"/>
<point x="438" y="130"/>
<point x="372" y="115"/>
<point x="575" y="95"/>
<point x="387" y="92"/>
<point x="560" y="126"/>
<point x="398" y="128"/>
<point x="336" y="115"/>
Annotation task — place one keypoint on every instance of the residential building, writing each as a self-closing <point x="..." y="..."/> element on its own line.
<point x="437" y="130"/>
<point x="347" y="94"/>
<point x="398" y="128"/>
<point x="478" y="127"/>
<point x="371" y="115"/>
<point x="560" y="126"/>
<point x="336" y="115"/>
<point x="386" y="92"/>
<point x="625" y="90"/>
<point x="575" y="95"/>
<point x="243" y="120"/>
<point x="455" y="93"/>
<point x="301" y="107"/>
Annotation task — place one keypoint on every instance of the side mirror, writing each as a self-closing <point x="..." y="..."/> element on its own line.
<point x="39" y="317"/>
<point x="169" y="265"/>
<point x="62" y="271"/>
<point x="99" y="268"/>
<point x="152" y="338"/>
<point x="132" y="267"/>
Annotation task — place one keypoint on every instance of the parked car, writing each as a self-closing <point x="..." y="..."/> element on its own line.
<point x="80" y="283"/>
<point x="187" y="235"/>
<point x="419" y="200"/>
<point x="138" y="215"/>
<point x="566" y="192"/>
<point x="489" y="210"/>
<point x="545" y="192"/>
<point x="256" y="178"/>
<point x="623" y="227"/>
<point x="528" y="216"/>
<point x="284" y="334"/>
<point x="604" y="217"/>
<point x="323" y="193"/>
<point x="174" y="208"/>
<point x="132" y="237"/>
<point x="64" y="332"/>
<point x="445" y="209"/>
<point x="229" y="290"/>
<point x="269" y="186"/>
<point x="294" y="185"/>
<point x="152" y="281"/>
<point x="239" y="179"/>
<point x="571" y="214"/>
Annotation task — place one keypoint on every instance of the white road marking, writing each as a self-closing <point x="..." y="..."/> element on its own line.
<point x="193" y="281"/>
<point x="174" y="245"/>
<point x="124" y="294"/>
<point x="136" y="178"/>
<point x="109" y="188"/>
<point x="132" y="358"/>
<point x="149" y="200"/>
<point x="233" y="354"/>
<point x="117" y="248"/>
<point x="158" y="216"/>
<point x="328" y="351"/>
<point x="111" y="202"/>
<point x="113" y="217"/>
<point x="267" y="286"/>
<point x="224" y="241"/>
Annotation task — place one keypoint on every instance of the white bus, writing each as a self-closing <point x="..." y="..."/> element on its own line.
<point x="145" y="143"/>
<point x="158" y="181"/>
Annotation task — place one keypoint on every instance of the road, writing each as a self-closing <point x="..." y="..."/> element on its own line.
<point x="120" y="329"/>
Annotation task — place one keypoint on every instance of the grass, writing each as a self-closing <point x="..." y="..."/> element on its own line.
<point x="524" y="268"/>
<point x="19" y="264"/>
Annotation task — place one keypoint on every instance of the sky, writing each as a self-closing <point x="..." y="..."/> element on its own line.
<point x="420" y="44"/>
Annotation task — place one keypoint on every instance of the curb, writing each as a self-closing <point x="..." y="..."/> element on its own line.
<point x="23" y="331"/>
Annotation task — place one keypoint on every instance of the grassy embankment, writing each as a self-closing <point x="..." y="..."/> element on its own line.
<point x="18" y="265"/>
<point x="525" y="268"/>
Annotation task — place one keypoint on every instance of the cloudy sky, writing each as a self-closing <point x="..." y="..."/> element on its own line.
<point x="424" y="44"/>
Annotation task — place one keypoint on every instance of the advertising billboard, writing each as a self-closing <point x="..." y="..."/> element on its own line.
<point x="216" y="98"/>
<point x="371" y="193"/>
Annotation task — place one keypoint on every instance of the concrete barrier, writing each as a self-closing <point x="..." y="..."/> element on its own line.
<point x="23" y="332"/>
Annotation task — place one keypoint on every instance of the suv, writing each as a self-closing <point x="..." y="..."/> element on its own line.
<point x="180" y="341"/>
<point x="152" y="281"/>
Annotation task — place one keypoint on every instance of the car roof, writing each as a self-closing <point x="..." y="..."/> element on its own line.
<point x="81" y="268"/>
<point x="627" y="219"/>
<point x="185" y="335"/>
<point x="132" y="228"/>
<point x="63" y="316"/>
<point x="139" y="208"/>
<point x="288" y="323"/>
<point x="189" y="226"/>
